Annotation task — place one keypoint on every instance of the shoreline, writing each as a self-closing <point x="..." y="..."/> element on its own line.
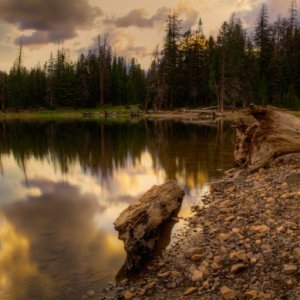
<point x="120" y="113"/>
<point x="243" y="243"/>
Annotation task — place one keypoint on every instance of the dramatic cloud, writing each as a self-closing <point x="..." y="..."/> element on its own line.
<point x="250" y="9"/>
<point x="50" y="20"/>
<point x="123" y="43"/>
<point x="139" y="17"/>
<point x="188" y="14"/>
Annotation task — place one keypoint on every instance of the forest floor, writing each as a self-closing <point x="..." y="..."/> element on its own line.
<point x="242" y="242"/>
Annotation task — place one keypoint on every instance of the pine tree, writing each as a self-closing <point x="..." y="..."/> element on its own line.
<point x="3" y="90"/>
<point x="263" y="43"/>
<point x="170" y="59"/>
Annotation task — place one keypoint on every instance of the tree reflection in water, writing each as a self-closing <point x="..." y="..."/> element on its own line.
<point x="64" y="183"/>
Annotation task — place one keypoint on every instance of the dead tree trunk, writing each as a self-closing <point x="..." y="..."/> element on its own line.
<point x="139" y="225"/>
<point x="274" y="133"/>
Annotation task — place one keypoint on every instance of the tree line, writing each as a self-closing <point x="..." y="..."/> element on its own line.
<point x="232" y="70"/>
<point x="95" y="79"/>
<point x="106" y="146"/>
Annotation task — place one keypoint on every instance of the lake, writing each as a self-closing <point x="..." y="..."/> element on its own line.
<point x="64" y="183"/>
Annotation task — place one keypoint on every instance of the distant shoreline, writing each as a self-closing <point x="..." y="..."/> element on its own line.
<point x="117" y="113"/>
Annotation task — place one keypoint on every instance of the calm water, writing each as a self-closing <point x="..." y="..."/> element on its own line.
<point x="64" y="183"/>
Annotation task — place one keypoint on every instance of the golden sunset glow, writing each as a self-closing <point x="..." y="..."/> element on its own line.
<point x="16" y="264"/>
<point x="134" y="27"/>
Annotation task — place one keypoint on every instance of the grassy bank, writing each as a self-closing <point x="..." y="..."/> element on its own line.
<point x="116" y="112"/>
<point x="66" y="113"/>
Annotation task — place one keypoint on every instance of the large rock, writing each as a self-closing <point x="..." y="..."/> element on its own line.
<point x="139" y="224"/>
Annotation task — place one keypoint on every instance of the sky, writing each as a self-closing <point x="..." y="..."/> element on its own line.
<point x="133" y="27"/>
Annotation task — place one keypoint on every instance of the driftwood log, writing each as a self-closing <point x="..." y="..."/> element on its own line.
<point x="274" y="133"/>
<point x="139" y="225"/>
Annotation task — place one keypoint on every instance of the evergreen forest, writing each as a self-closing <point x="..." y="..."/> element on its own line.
<point x="231" y="70"/>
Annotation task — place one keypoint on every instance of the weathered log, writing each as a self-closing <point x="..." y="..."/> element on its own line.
<point x="274" y="133"/>
<point x="139" y="224"/>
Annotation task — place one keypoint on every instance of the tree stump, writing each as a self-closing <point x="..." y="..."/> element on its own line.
<point x="274" y="133"/>
<point x="139" y="224"/>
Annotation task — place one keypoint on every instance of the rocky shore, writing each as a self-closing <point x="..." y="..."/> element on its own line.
<point x="242" y="243"/>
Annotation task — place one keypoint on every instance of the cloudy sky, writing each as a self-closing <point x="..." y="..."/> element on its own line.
<point x="134" y="27"/>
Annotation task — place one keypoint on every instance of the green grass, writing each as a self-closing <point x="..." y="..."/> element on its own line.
<point x="98" y="113"/>
<point x="66" y="113"/>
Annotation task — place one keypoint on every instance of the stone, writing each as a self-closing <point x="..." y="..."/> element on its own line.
<point x="197" y="276"/>
<point x="250" y="294"/>
<point x="175" y="274"/>
<point x="260" y="228"/>
<point x="296" y="254"/>
<point x="237" y="268"/>
<point x="262" y="171"/>
<point x="190" y="291"/>
<point x="230" y="218"/>
<point x="192" y="268"/>
<point x="217" y="259"/>
<point x="215" y="266"/>
<point x="150" y="285"/>
<point x="205" y="270"/>
<point x="124" y="281"/>
<point x="128" y="295"/>
<point x="253" y="260"/>
<point x="241" y="255"/>
<point x="197" y="257"/>
<point x="290" y="282"/>
<point x="91" y="293"/>
<point x="223" y="237"/>
<point x="235" y="230"/>
<point x="189" y="253"/>
<point x="141" y="292"/>
<point x="163" y="275"/>
<point x="227" y="293"/>
<point x="206" y="284"/>
<point x="289" y="269"/>
<point x="225" y="203"/>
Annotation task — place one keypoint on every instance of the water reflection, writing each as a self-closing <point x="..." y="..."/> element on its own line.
<point x="64" y="183"/>
<point x="58" y="230"/>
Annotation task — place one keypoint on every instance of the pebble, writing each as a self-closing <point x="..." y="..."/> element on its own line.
<point x="223" y="237"/>
<point x="260" y="228"/>
<point x="206" y="284"/>
<point x="289" y="269"/>
<point x="241" y="255"/>
<point x="237" y="268"/>
<point x="296" y="254"/>
<point x="197" y="257"/>
<point x="190" y="291"/>
<point x="197" y="276"/>
<point x="227" y="293"/>
<point x="216" y="266"/>
<point x="192" y="251"/>
<point x="252" y="294"/>
<point x="163" y="274"/>
<point x="90" y="293"/>
<point x="128" y="295"/>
